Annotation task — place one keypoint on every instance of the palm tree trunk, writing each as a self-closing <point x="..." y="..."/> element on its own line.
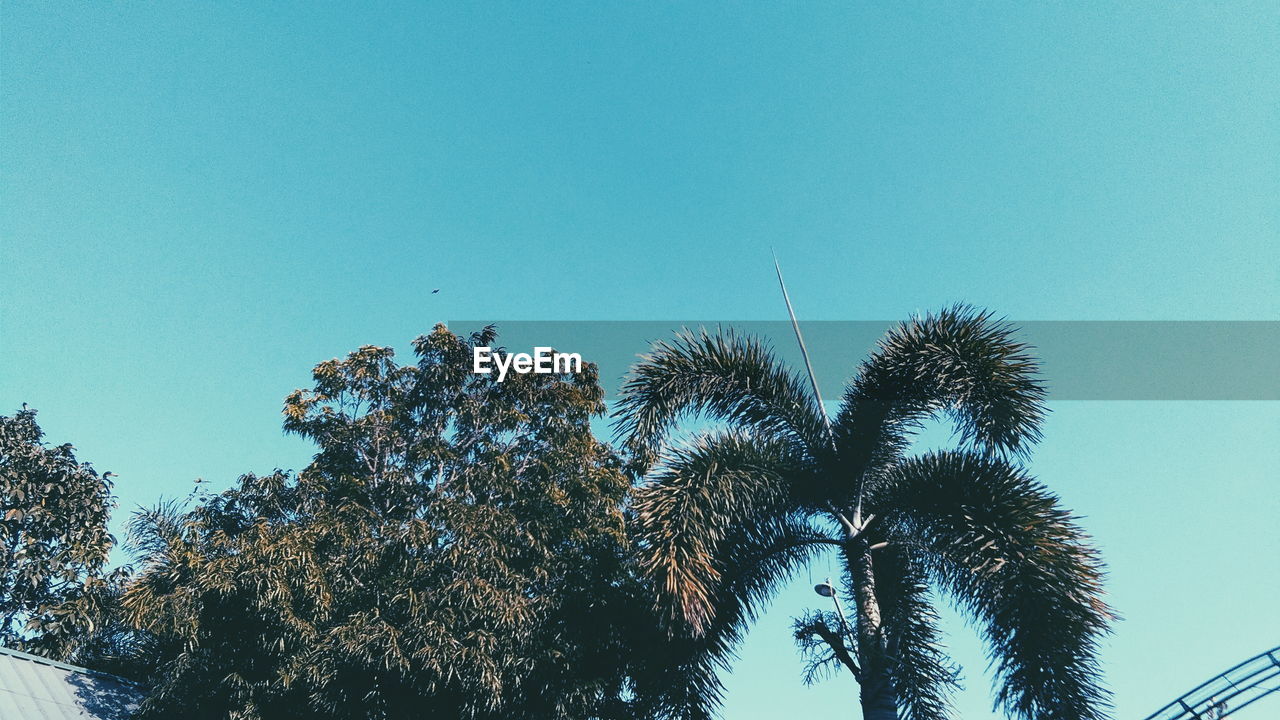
<point x="879" y="697"/>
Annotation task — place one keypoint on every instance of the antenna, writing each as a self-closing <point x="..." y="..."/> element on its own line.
<point x="857" y="524"/>
<point x="795" y="325"/>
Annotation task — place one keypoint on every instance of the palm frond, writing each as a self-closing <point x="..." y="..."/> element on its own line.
<point x="151" y="530"/>
<point x="717" y="534"/>
<point x="705" y="497"/>
<point x="961" y="361"/>
<point x="758" y="560"/>
<point x="923" y="675"/>
<point x="998" y="541"/>
<point x="722" y="374"/>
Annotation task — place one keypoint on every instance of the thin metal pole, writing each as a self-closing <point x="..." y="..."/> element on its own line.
<point x="844" y="624"/>
<point x="813" y="378"/>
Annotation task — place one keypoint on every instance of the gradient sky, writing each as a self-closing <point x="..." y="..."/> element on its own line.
<point x="200" y="201"/>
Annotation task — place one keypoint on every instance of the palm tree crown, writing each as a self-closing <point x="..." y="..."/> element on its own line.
<point x="724" y="519"/>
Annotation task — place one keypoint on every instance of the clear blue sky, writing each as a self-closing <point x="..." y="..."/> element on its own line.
<point x="201" y="201"/>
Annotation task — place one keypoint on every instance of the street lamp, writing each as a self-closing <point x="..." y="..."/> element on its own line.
<point x="826" y="589"/>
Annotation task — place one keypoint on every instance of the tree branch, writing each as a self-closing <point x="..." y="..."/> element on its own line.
<point x="837" y="646"/>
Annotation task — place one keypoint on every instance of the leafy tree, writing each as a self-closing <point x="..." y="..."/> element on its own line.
<point x="53" y="541"/>
<point x="726" y="518"/>
<point x="455" y="549"/>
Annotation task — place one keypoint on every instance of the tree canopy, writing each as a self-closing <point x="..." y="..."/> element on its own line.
<point x="455" y="549"/>
<point x="54" y="542"/>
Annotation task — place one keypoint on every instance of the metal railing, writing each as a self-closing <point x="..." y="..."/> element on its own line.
<point x="1228" y="693"/>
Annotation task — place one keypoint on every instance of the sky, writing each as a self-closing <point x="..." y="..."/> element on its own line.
<point x="201" y="201"/>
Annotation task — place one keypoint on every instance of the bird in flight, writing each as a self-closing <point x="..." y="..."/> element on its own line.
<point x="433" y="292"/>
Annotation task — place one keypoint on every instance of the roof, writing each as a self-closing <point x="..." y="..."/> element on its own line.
<point x="36" y="688"/>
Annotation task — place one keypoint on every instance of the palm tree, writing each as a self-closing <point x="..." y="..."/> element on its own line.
<point x="727" y="517"/>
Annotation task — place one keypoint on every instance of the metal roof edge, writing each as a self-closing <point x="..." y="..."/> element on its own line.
<point x="63" y="666"/>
